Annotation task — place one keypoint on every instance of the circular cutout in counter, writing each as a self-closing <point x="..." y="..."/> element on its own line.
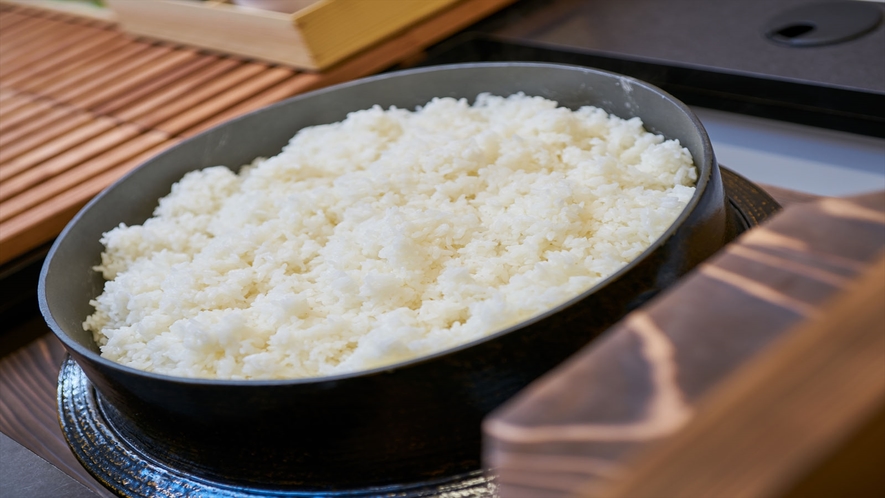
<point x="823" y="23"/>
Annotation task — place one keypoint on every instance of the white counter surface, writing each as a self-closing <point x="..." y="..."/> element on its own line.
<point x="797" y="157"/>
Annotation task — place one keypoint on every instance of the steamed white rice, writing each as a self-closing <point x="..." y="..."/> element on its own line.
<point x="385" y="237"/>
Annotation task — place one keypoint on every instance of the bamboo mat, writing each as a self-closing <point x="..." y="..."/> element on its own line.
<point x="82" y="103"/>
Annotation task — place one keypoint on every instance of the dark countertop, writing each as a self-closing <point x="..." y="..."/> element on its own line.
<point x="724" y="35"/>
<point x="706" y="53"/>
<point x="25" y="474"/>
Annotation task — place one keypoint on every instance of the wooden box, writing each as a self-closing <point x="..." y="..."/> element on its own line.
<point x="314" y="37"/>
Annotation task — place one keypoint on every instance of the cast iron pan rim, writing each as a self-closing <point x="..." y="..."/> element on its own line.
<point x="700" y="188"/>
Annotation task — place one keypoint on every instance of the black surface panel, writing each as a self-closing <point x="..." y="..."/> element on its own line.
<point x="708" y="53"/>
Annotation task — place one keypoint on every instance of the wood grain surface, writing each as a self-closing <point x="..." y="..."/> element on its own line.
<point x="28" y="382"/>
<point x="640" y="383"/>
<point x="82" y="103"/>
<point x="771" y="423"/>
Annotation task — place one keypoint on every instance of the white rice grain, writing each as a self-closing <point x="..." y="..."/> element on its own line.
<point x="387" y="236"/>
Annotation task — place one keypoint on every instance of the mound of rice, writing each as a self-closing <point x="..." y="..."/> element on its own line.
<point x="387" y="236"/>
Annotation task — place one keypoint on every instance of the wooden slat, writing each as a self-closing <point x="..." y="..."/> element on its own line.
<point x="42" y="35"/>
<point x="157" y="115"/>
<point x="53" y="66"/>
<point x="8" y="18"/>
<point x="288" y="88"/>
<point x="190" y="88"/>
<point x="25" y="33"/>
<point x="224" y="101"/>
<point x="13" y="130"/>
<point x="114" y="49"/>
<point x="49" y="150"/>
<point x="75" y="176"/>
<point x="50" y="127"/>
<point x="134" y="79"/>
<point x="32" y="111"/>
<point x="109" y="138"/>
<point x="40" y="224"/>
<point x="17" y="107"/>
<point x="12" y="105"/>
<point x="110" y="74"/>
<point x="170" y="78"/>
<point x="5" y="94"/>
<point x="22" y="109"/>
<point x="17" y="24"/>
<point x="54" y="39"/>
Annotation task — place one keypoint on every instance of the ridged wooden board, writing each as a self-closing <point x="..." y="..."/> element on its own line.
<point x="572" y="431"/>
<point x="82" y="103"/>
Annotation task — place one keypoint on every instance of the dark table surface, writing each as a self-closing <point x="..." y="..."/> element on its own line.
<point x="709" y="53"/>
<point x="725" y="35"/>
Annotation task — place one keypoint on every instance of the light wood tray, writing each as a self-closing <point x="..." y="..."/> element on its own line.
<point x="316" y="36"/>
<point x="82" y="103"/>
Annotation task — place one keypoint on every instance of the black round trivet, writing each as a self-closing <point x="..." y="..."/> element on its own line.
<point x="128" y="472"/>
<point x="752" y="204"/>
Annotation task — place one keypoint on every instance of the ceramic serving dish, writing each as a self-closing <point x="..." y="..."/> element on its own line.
<point x="410" y="422"/>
